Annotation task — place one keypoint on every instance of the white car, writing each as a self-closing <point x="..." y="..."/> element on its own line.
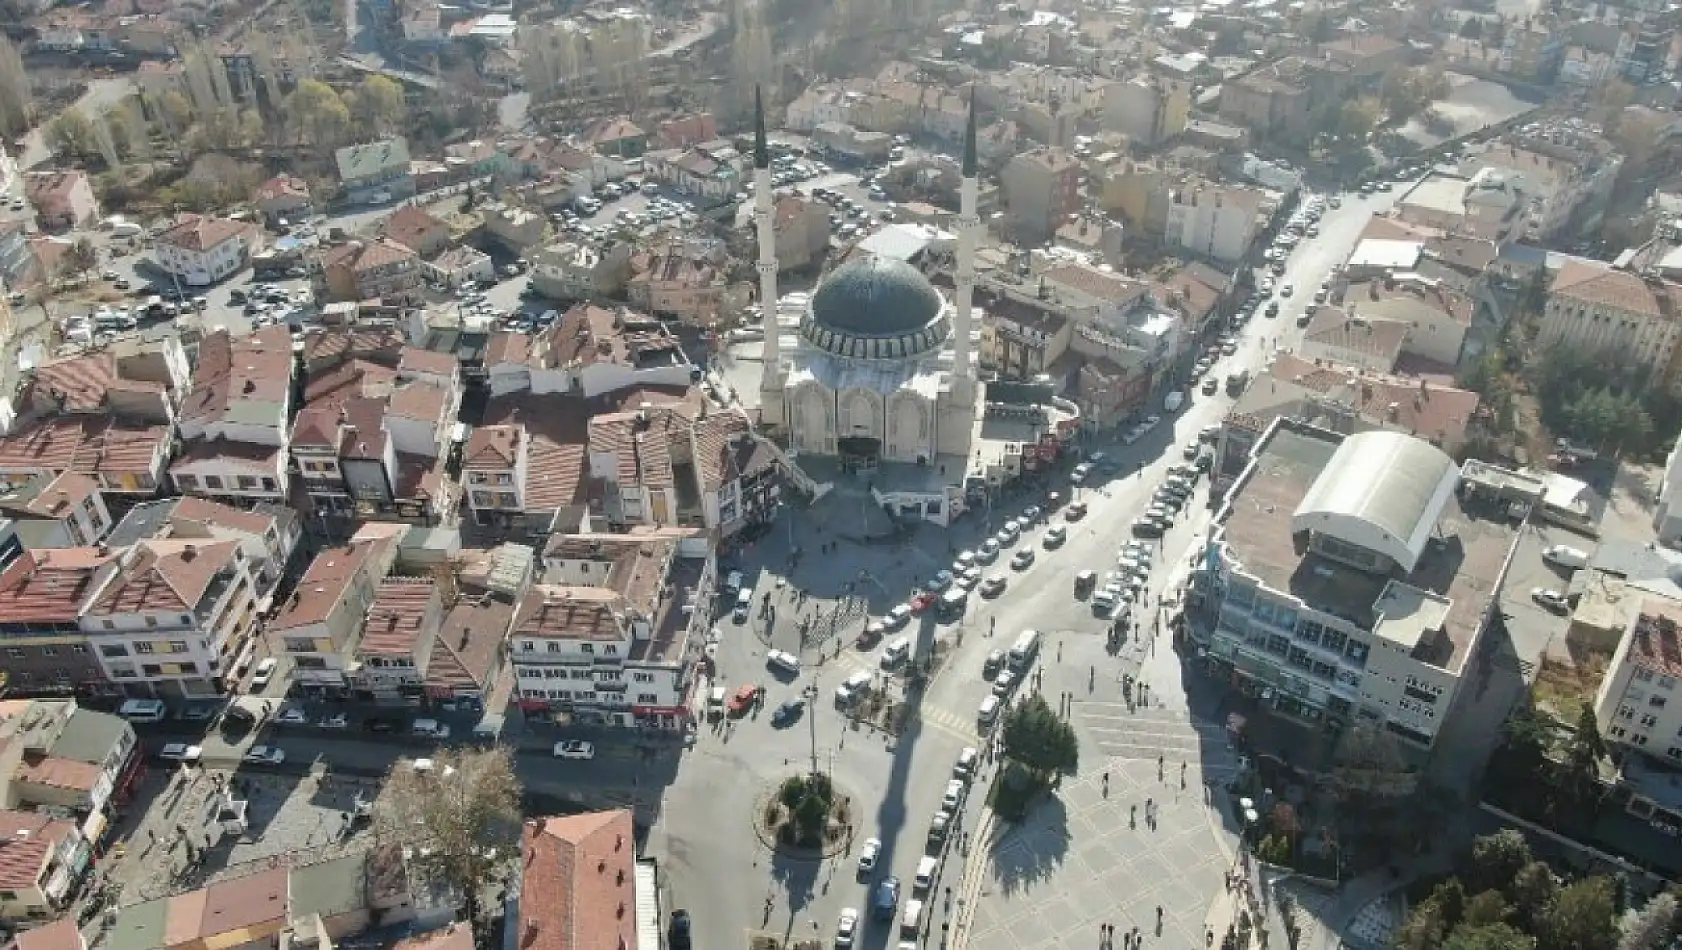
<point x="292" y="716"/>
<point x="847" y="927"/>
<point x="988" y="552"/>
<point x="1551" y="599"/>
<point x="265" y="672"/>
<point x="1022" y="560"/>
<point x="340" y="721"/>
<point x="180" y="752"/>
<point x="897" y="617"/>
<point x="264" y="755"/>
<point x="954" y="795"/>
<point x="993" y="586"/>
<point x="1054" y="537"/>
<point x="868" y="853"/>
<point x="575" y="749"/>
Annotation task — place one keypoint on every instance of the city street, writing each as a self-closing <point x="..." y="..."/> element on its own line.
<point x="725" y="876"/>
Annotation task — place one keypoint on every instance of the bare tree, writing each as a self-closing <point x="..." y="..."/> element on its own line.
<point x="459" y="818"/>
<point x="1650" y="929"/>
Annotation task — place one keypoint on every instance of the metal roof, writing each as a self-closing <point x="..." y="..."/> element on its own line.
<point x="1382" y="491"/>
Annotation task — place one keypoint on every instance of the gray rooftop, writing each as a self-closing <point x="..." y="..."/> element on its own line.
<point x="330" y="888"/>
<point x="89" y="736"/>
<point x="142" y="522"/>
<point x="1382" y="490"/>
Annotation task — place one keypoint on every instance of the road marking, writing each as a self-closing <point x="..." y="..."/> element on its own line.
<point x="944" y="720"/>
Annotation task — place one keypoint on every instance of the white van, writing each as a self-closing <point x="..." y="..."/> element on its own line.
<point x="1026" y="648"/>
<point x="143" y="710"/>
<point x="787" y="662"/>
<point x="911" y="924"/>
<point x="989" y="710"/>
<point x="430" y="728"/>
<point x="744" y="603"/>
<point x="853" y="689"/>
<point x="896" y="652"/>
<point x="1565" y="556"/>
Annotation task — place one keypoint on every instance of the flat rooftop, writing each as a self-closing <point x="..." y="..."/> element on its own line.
<point x="1460" y="566"/>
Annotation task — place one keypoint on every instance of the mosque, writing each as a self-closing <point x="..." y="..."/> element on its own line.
<point x="877" y="379"/>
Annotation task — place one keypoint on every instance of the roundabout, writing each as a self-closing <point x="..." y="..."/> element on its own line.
<point x="804" y="815"/>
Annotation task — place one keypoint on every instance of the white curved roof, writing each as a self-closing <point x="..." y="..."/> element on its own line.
<point x="1382" y="491"/>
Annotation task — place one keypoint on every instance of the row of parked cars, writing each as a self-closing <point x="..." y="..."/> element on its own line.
<point x="1176" y="489"/>
<point x="885" y="894"/>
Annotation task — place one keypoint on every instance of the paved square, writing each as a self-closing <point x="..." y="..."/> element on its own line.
<point x="1076" y="862"/>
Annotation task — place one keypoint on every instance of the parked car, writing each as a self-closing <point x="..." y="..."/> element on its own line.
<point x="264" y="755"/>
<point x="180" y="752"/>
<point x="575" y="749"/>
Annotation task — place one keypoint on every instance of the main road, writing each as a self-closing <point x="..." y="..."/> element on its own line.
<point x="715" y="865"/>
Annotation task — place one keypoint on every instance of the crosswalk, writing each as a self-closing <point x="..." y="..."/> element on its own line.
<point x="1149" y="733"/>
<point x="945" y="720"/>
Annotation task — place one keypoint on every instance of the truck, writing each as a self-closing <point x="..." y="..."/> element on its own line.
<point x="1236" y="381"/>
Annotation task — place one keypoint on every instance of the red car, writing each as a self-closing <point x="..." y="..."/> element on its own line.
<point x="744" y="697"/>
<point x="922" y="602"/>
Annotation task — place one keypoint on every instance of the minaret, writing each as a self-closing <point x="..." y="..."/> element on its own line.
<point x="765" y="220"/>
<point x="969" y="223"/>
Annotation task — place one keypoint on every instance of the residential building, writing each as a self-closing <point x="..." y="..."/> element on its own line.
<point x="41" y="597"/>
<point x="469" y="655"/>
<point x="133" y="378"/>
<point x="325" y="613"/>
<point x="515" y="228"/>
<point x="1141" y="192"/>
<point x="391" y="658"/>
<point x="370" y="270"/>
<point x="416" y="230"/>
<point x="60" y="757"/>
<point x="1436" y="317"/>
<point x="267" y="534"/>
<point x="1368" y="55"/>
<point x="1336" y="397"/>
<point x="283" y="197"/>
<point x="803" y="232"/>
<point x="174" y="617"/>
<point x="59" y="511"/>
<point x="1631" y="318"/>
<point x="375" y="171"/>
<point x="41" y="859"/>
<point x="1667" y="513"/>
<point x="1021" y="341"/>
<point x="460" y="267"/>
<point x="62" y="200"/>
<point x="234" y="423"/>
<point x="712" y="170"/>
<point x="478" y="159"/>
<point x="1492" y="203"/>
<point x="687" y="130"/>
<point x="617" y="136"/>
<point x="127" y="459"/>
<point x="1041" y="191"/>
<point x="605" y="639"/>
<point x="1348" y="582"/>
<point x="569" y="270"/>
<point x="579" y="885"/>
<point x="1271" y="100"/>
<point x="1147" y="109"/>
<point x="678" y="279"/>
<point x="588" y="351"/>
<point x="1632" y="702"/>
<point x="1215" y="222"/>
<point x="1566" y="183"/>
<point x="199" y="250"/>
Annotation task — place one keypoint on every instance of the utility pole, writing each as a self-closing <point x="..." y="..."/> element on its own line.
<point x="812" y="719"/>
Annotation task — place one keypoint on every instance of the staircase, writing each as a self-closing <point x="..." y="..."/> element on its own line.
<point x="797" y="477"/>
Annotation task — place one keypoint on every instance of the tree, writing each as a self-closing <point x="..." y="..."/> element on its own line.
<point x="71" y="134"/>
<point x="1534" y="891"/>
<point x="317" y="115"/>
<point x="1489" y="937"/>
<point x="377" y="105"/>
<point x="1651" y="928"/>
<point x="1424" y="928"/>
<point x="1039" y="740"/>
<point x="459" y="820"/>
<point x="16" y="106"/>
<point x="1356" y="119"/>
<point x="1450" y="896"/>
<point x="1471" y="28"/>
<point x="808" y="800"/>
<point x="1368" y="762"/>
<point x="1584" y="754"/>
<point x="1486" y="908"/>
<point x="79" y="258"/>
<point x="1496" y="860"/>
<point x="1582" y="918"/>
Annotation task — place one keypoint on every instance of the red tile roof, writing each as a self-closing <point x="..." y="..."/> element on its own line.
<point x="257" y="367"/>
<point x="579" y="891"/>
<point x="324" y="584"/>
<point x="398" y="616"/>
<point x="49" y="586"/>
<point x="92" y="445"/>
<point x="167" y="575"/>
<point x="26" y="839"/>
<point x="201" y="233"/>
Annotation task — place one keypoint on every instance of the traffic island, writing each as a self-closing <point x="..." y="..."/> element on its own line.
<point x="804" y="815"/>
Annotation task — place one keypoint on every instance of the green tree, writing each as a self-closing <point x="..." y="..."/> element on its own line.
<point x="317" y="115"/>
<point x="1496" y="860"/>
<point x="1471" y="28"/>
<point x="1534" y="891"/>
<point x="1039" y="740"/>
<point x="1486" y="908"/>
<point x="1583" y="756"/>
<point x="1584" y="918"/>
<point x="1488" y="937"/>
<point x="808" y="799"/>
<point x="377" y="105"/>
<point x="1423" y="929"/>
<point x="1450" y="896"/>
<point x="458" y="820"/>
<point x="1356" y="119"/>
<point x="1367" y="762"/>
<point x="1651" y="928"/>
<point x="71" y="135"/>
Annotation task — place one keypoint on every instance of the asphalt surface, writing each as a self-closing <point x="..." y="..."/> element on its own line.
<point x="715" y="864"/>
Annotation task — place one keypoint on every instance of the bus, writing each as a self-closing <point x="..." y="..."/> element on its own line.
<point x="1023" y="652"/>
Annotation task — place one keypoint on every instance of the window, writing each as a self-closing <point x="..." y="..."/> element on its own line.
<point x="187" y="482"/>
<point x="526" y="646"/>
<point x="151" y="621"/>
<point x="1643" y="675"/>
<point x="79" y="650"/>
<point x="1667" y="682"/>
<point x="612" y="649"/>
<point x="647" y="699"/>
<point x="143" y="647"/>
<point x="1649" y="720"/>
<point x="587" y="647"/>
<point x="554" y="646"/>
<point x="247" y="482"/>
<point x="213" y="481"/>
<point x="269" y="485"/>
<point x="14" y="652"/>
<point x="178" y="646"/>
<point x="49" y="651"/>
<point x="108" y="624"/>
<point x="643" y="677"/>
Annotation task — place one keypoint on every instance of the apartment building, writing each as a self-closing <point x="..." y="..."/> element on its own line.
<point x="61" y="757"/>
<point x="199" y="250"/>
<point x="126" y="459"/>
<point x="173" y="618"/>
<point x="712" y="170"/>
<point x="605" y="639"/>
<point x="1041" y="191"/>
<point x="579" y="875"/>
<point x="569" y="270"/>
<point x="324" y="615"/>
<point x="61" y="200"/>
<point x="680" y="280"/>
<point x="58" y="511"/>
<point x="41" y="860"/>
<point x="234" y="424"/>
<point x="1147" y="109"/>
<point x="1347" y="582"/>
<point x="1566" y="184"/>
<point x="268" y="534"/>
<point x="41" y="597"/>
<point x="375" y="171"/>
<point x="389" y="661"/>
<point x="380" y="269"/>
<point x="1214" y="222"/>
<point x="1595" y="308"/>
<point x="1632" y="702"/>
<point x="416" y="230"/>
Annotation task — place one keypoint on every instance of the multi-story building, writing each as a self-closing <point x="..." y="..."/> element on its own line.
<point x="416" y="230"/>
<point x="173" y="618"/>
<point x="41" y="597"/>
<point x="1041" y="190"/>
<point x="1632" y="703"/>
<point x="1147" y="109"/>
<point x="127" y="459"/>
<point x="680" y="279"/>
<point x="577" y="872"/>
<point x="267" y="533"/>
<point x="375" y="170"/>
<point x="1667" y="514"/>
<point x="1531" y="49"/>
<point x="41" y="859"/>
<point x="606" y="638"/>
<point x="711" y="170"/>
<point x="60" y="756"/>
<point x="199" y="250"/>
<point x="1632" y="318"/>
<point x="234" y="423"/>
<point x="62" y="200"/>
<point x="567" y="270"/>
<point x="380" y="269"/>
<point x="59" y="511"/>
<point x="390" y="660"/>
<point x="325" y="613"/>
<point x="1216" y="222"/>
<point x="1346" y="582"/>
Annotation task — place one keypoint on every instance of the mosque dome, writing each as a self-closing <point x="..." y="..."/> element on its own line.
<point x="876" y="308"/>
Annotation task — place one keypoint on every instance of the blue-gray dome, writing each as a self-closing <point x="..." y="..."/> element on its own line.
<point x="876" y="297"/>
